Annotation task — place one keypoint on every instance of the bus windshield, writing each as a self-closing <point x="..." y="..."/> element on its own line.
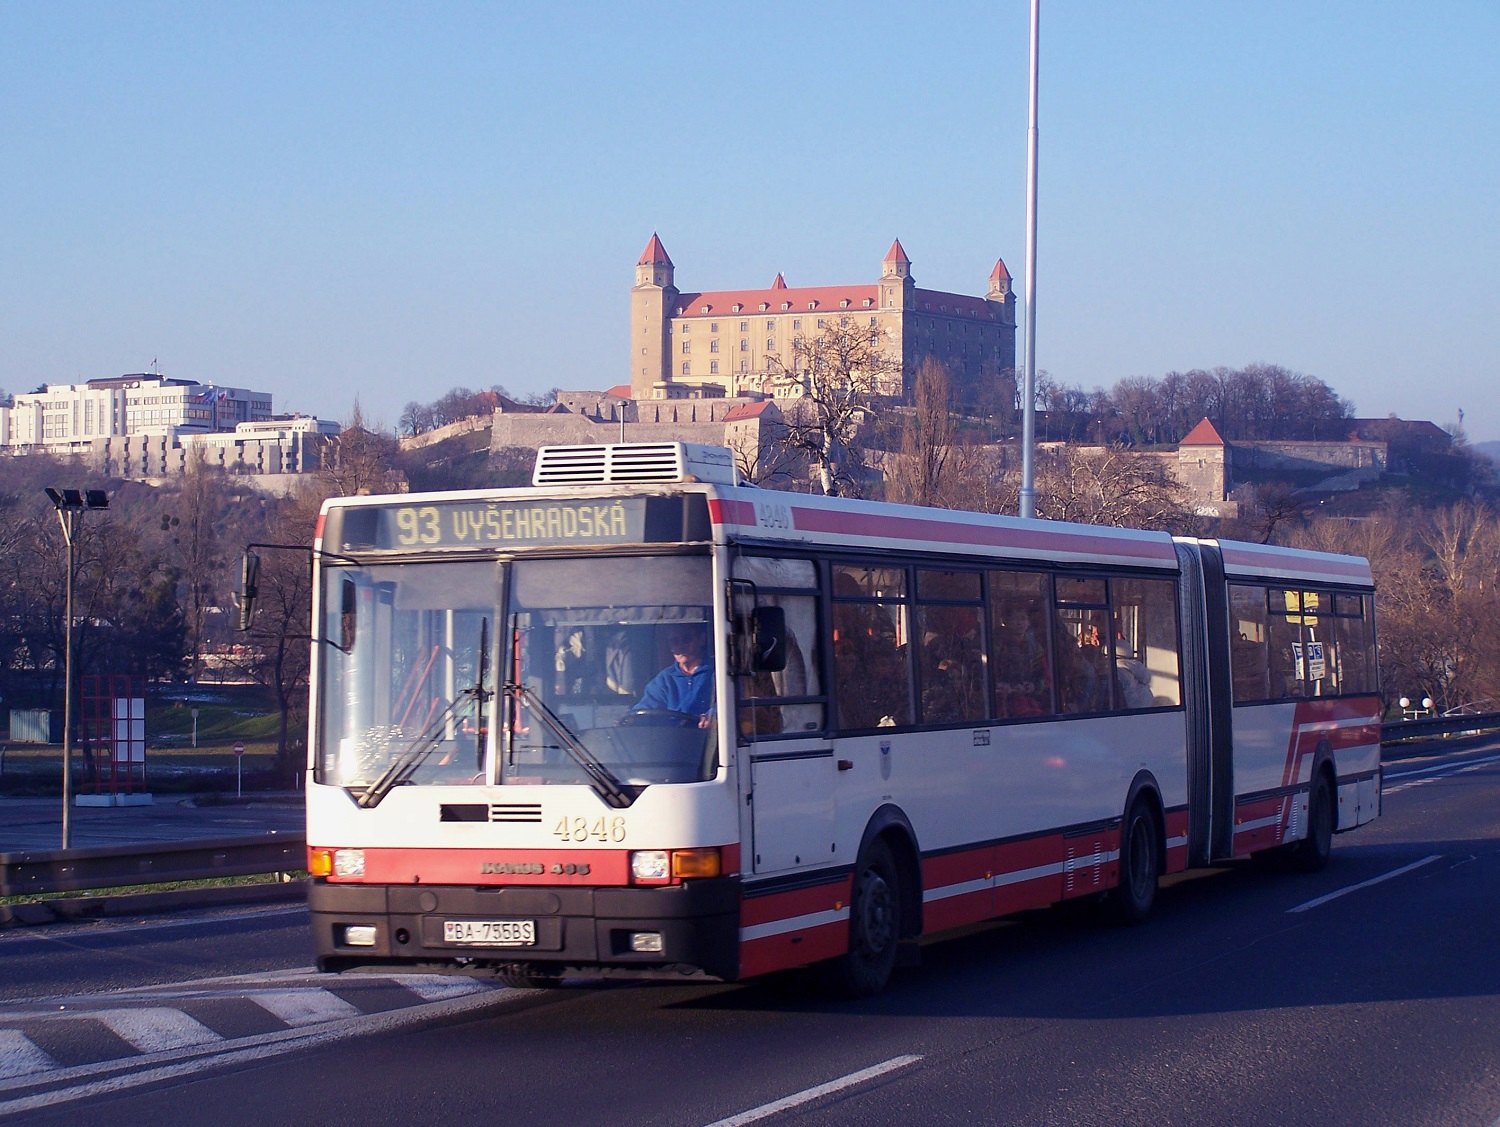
<point x="407" y="673"/>
<point x="604" y="662"/>
<point x="609" y="660"/>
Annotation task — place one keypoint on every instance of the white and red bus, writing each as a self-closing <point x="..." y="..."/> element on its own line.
<point x="643" y="719"/>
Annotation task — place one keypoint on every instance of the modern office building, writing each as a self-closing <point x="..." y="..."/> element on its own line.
<point x="68" y="418"/>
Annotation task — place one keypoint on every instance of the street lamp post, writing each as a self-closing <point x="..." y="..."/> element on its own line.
<point x="69" y="503"/>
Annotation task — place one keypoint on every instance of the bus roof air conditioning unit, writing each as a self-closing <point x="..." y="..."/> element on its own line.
<point x="634" y="463"/>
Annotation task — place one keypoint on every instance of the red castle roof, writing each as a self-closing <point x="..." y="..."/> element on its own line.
<point x="779" y="283"/>
<point x="896" y="254"/>
<point x="999" y="273"/>
<point x="655" y="254"/>
<point x="1202" y="435"/>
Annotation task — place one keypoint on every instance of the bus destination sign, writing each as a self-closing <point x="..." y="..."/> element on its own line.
<point x="467" y="525"/>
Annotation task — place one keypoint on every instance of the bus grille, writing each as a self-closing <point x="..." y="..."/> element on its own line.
<point x="516" y="812"/>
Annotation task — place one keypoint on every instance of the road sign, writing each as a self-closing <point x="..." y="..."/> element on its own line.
<point x="239" y="749"/>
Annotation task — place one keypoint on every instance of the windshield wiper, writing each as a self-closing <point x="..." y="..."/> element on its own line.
<point x="405" y="765"/>
<point x="601" y="779"/>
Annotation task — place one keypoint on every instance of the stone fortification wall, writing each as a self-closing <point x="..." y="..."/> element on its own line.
<point x="440" y="434"/>
<point x="667" y="420"/>
<point x="1288" y="456"/>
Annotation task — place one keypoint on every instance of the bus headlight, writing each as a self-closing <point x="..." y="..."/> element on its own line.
<point x="348" y="862"/>
<point x="650" y="866"/>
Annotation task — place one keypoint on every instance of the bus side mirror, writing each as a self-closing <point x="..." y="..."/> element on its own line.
<point x="244" y="599"/>
<point x="768" y="639"/>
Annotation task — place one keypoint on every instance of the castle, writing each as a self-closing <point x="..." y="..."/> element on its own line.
<point x="714" y="344"/>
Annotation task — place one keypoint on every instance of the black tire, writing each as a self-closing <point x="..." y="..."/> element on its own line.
<point x="1131" y="901"/>
<point x="1311" y="853"/>
<point x="874" y="927"/>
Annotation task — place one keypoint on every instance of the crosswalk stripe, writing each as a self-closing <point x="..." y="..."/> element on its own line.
<point x="153" y="1029"/>
<point x="19" y="1056"/>
<point x="434" y="987"/>
<point x="303" y="1007"/>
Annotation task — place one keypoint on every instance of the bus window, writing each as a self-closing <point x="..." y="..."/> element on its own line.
<point x="1081" y="644"/>
<point x="1146" y="665"/>
<point x="788" y="701"/>
<point x="871" y="650"/>
<point x="1284" y="644"/>
<point x="1247" y="644"/>
<point x="950" y="658"/>
<point x="616" y="655"/>
<point x="1018" y="633"/>
<point x="1352" y="636"/>
<point x="1319" y="654"/>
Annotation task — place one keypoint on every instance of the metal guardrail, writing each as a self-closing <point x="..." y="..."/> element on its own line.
<point x="114" y="866"/>
<point x="1438" y="726"/>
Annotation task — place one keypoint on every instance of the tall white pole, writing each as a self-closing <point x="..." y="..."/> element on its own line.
<point x="1028" y="388"/>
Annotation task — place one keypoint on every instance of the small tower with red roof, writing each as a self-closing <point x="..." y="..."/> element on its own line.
<point x="1001" y="296"/>
<point x="652" y="301"/>
<point x="1203" y="464"/>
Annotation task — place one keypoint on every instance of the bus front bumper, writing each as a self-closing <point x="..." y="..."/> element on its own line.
<point x="694" y="924"/>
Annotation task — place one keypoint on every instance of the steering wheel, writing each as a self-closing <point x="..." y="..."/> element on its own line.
<point x="657" y="718"/>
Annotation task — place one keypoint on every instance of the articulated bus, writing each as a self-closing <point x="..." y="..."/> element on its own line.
<point x="642" y="719"/>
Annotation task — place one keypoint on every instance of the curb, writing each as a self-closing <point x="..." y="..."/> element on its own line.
<point x="139" y="903"/>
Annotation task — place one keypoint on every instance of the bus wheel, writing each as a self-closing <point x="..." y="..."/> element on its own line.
<point x="1311" y="853"/>
<point x="1131" y="900"/>
<point x="874" y="927"/>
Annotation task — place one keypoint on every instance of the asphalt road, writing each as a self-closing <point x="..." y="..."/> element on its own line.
<point x="1369" y="992"/>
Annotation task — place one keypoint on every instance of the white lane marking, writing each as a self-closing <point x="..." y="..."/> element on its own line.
<point x="1365" y="883"/>
<point x="807" y="1095"/>
<point x="435" y="987"/>
<point x="157" y="1028"/>
<point x="157" y="1067"/>
<point x="303" y="1007"/>
<point x="1444" y="769"/>
<point x="19" y="1056"/>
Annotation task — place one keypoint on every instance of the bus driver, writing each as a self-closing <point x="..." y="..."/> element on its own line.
<point x="687" y="685"/>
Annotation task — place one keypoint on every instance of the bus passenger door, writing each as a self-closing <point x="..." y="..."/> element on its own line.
<point x="792" y="806"/>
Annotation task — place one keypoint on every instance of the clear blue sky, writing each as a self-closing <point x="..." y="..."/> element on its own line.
<point x="386" y="201"/>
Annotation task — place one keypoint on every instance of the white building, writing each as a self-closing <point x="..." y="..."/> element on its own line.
<point x="68" y="418"/>
<point x="144" y="426"/>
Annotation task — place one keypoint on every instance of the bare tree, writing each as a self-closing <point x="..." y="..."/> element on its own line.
<point x="834" y="380"/>
<point x="927" y="437"/>
<point x="359" y="458"/>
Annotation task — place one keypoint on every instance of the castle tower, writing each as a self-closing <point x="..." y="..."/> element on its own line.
<point x="651" y="306"/>
<point x="1203" y="464"/>
<point x="1000" y="293"/>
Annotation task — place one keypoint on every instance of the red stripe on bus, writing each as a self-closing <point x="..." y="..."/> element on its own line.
<point x="798" y="902"/>
<point x="794" y="948"/>
<point x="891" y="527"/>
<point x="1303" y="744"/>
<point x="1270" y="562"/>
<point x="722" y="511"/>
<point x="603" y="867"/>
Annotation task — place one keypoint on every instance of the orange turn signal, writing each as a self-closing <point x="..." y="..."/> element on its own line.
<point x="319" y="862"/>
<point x="690" y="863"/>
